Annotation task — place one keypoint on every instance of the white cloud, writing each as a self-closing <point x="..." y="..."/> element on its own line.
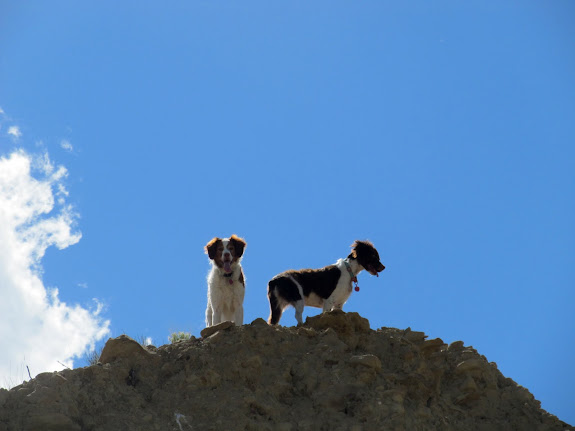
<point x="14" y="131"/>
<point x="66" y="145"/>
<point x="37" y="329"/>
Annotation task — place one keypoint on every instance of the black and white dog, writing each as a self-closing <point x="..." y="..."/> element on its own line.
<point x="226" y="281"/>
<point x="328" y="288"/>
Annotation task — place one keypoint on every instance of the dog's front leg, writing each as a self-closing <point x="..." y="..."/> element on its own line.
<point x="217" y="317"/>
<point x="209" y="316"/>
<point x="239" y="316"/>
<point x="328" y="305"/>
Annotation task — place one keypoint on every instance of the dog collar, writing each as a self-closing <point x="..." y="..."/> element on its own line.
<point x="229" y="277"/>
<point x="353" y="277"/>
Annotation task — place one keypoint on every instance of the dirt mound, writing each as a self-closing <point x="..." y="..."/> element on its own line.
<point x="332" y="373"/>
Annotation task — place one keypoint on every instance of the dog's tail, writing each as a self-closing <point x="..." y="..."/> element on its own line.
<point x="275" y="309"/>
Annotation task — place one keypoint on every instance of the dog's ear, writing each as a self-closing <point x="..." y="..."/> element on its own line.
<point x="353" y="254"/>
<point x="212" y="247"/>
<point x="239" y="245"/>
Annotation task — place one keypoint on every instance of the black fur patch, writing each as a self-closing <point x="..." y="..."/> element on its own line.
<point x="285" y="288"/>
<point x="322" y="281"/>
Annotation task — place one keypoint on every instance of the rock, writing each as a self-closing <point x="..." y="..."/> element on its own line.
<point x="370" y="361"/>
<point x="210" y="330"/>
<point x="455" y="346"/>
<point x="471" y="365"/>
<point x="122" y="347"/>
<point x="414" y="336"/>
<point x="339" y="321"/>
<point x="260" y="322"/>
<point x="466" y="398"/>
<point x="431" y="346"/>
<point x="51" y="422"/>
<point x="469" y="385"/>
<point x="42" y="395"/>
<point x="214" y="337"/>
<point x="331" y="373"/>
<point x="308" y="332"/>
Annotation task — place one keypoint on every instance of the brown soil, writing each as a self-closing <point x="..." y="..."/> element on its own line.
<point x="333" y="373"/>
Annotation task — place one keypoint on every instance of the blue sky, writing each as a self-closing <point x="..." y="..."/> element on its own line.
<point x="442" y="131"/>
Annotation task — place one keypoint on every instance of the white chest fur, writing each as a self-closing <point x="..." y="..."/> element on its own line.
<point x="342" y="291"/>
<point x="223" y="293"/>
<point x="340" y="294"/>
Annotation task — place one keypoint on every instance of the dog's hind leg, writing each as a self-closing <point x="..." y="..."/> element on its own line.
<point x="299" y="305"/>
<point x="275" y="309"/>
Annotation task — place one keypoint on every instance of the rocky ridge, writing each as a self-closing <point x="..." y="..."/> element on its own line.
<point x="332" y="373"/>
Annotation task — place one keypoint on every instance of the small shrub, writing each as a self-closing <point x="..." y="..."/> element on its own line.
<point x="144" y="341"/>
<point x="179" y="336"/>
<point x="93" y="357"/>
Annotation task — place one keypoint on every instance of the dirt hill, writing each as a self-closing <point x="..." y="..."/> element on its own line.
<point x="333" y="373"/>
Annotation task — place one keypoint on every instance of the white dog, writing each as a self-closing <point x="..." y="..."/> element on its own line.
<point x="226" y="282"/>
